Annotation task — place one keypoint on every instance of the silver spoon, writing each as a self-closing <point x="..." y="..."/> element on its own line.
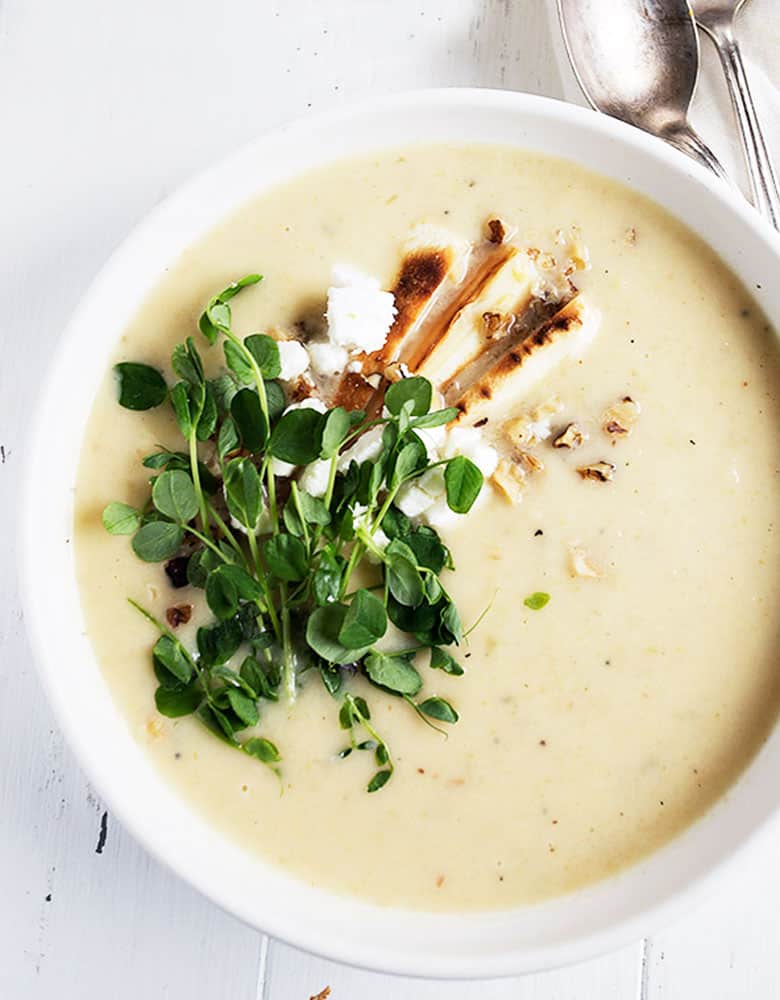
<point x="716" y="17"/>
<point x="638" y="60"/>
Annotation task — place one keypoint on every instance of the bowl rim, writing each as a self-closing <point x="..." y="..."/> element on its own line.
<point x="308" y="935"/>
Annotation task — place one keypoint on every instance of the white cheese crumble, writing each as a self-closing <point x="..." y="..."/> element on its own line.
<point x="359" y="312"/>
<point x="294" y="359"/>
<point x="314" y="478"/>
<point x="367" y="448"/>
<point x="327" y="358"/>
<point x="469" y="442"/>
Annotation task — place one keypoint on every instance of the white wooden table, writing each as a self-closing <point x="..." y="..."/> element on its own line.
<point x="104" y="109"/>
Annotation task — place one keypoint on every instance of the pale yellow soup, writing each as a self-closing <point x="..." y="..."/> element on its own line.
<point x="591" y="731"/>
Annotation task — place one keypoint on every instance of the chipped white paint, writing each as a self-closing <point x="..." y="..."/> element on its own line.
<point x="105" y="108"/>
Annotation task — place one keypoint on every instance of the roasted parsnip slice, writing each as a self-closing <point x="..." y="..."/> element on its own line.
<point x="508" y="381"/>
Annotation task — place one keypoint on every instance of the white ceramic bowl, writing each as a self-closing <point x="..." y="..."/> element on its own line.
<point x="512" y="941"/>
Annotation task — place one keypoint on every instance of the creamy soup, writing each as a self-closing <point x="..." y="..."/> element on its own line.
<point x="593" y="729"/>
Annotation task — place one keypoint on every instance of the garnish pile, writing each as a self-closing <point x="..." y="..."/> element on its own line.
<point x="279" y="566"/>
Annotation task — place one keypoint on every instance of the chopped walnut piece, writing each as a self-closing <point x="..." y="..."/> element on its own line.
<point x="532" y="427"/>
<point x="599" y="472"/>
<point x="395" y="371"/>
<point x="496" y="231"/>
<point x="179" y="614"/>
<point x="301" y="389"/>
<point x="630" y="236"/>
<point x="571" y="437"/>
<point x="580" y="563"/>
<point x="322" y="995"/>
<point x="619" y="419"/>
<point x="493" y="323"/>
<point x="577" y="256"/>
<point x="510" y="480"/>
<point x="529" y="463"/>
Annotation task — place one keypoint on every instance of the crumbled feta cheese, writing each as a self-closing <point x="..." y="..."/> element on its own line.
<point x="314" y="478"/>
<point x="469" y="442"/>
<point x="439" y="514"/>
<point x="264" y="524"/>
<point x="367" y="448"/>
<point x="327" y="358"/>
<point x="282" y="469"/>
<point x="310" y="403"/>
<point x="294" y="359"/>
<point x="412" y="501"/>
<point x="346" y="276"/>
<point x="359" y="313"/>
<point x="433" y="438"/>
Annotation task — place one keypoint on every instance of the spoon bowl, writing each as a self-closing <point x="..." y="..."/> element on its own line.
<point x="638" y="60"/>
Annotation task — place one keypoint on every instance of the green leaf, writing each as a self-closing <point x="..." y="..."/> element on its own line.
<point x="396" y="673"/>
<point x="365" y="621"/>
<point x="326" y="580"/>
<point x="439" y="709"/>
<point x="186" y="362"/>
<point x="449" y="621"/>
<point x="416" y="389"/>
<point x="221" y="595"/>
<point x="176" y="703"/>
<point x="227" y="439"/>
<point x="243" y="492"/>
<point x="216" y="645"/>
<point x="403" y="579"/>
<point x="463" y="481"/>
<point x="441" y="660"/>
<point x="437" y="418"/>
<point x="224" y="388"/>
<point x="263" y="749"/>
<point x="381" y="778"/>
<point x="265" y="351"/>
<point x="322" y="635"/>
<point x="141" y="387"/>
<point x="200" y="565"/>
<point x="236" y="286"/>
<point x="314" y="509"/>
<point x="395" y="524"/>
<point x="537" y="600"/>
<point x="336" y="427"/>
<point x="157" y="540"/>
<point x="244" y="707"/>
<point x="121" y="518"/>
<point x="297" y="438"/>
<point x="247" y="588"/>
<point x="173" y="494"/>
<point x="428" y="549"/>
<point x="252" y="673"/>
<point x="250" y="420"/>
<point x="276" y="400"/>
<point x="207" y="422"/>
<point x="172" y="655"/>
<point x="180" y="401"/>
<point x="286" y="557"/>
<point x="238" y="363"/>
<point x="410" y="459"/>
<point x="331" y="678"/>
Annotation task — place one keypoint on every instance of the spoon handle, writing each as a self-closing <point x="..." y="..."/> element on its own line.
<point x="687" y="140"/>
<point x="760" y="170"/>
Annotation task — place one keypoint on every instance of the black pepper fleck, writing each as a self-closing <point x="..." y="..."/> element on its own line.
<point x="538" y="532"/>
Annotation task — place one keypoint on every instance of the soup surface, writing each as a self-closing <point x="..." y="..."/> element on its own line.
<point x="591" y="730"/>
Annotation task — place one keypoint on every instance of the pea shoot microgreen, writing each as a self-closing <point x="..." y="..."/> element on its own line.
<point x="277" y="568"/>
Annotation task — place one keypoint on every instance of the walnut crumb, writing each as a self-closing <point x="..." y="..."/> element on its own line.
<point x="619" y="419"/>
<point x="496" y="231"/>
<point x="570" y="437"/>
<point x="179" y="614"/>
<point x="598" y="472"/>
<point x="509" y="479"/>
<point x="630" y="236"/>
<point x="439" y="881"/>
<point x="534" y="426"/>
<point x="395" y="371"/>
<point x="322" y="995"/>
